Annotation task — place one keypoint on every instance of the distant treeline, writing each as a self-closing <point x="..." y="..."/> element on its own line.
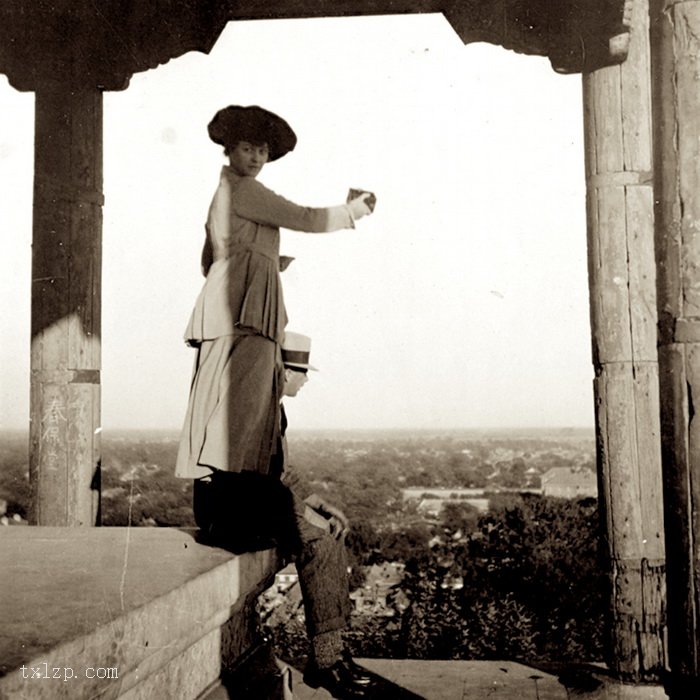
<point x="362" y="472"/>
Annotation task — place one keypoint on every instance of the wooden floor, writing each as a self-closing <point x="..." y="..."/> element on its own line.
<point x="485" y="680"/>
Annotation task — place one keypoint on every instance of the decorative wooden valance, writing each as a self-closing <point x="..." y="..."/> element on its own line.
<point x="102" y="44"/>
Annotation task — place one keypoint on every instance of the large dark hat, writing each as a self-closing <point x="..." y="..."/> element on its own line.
<point x="255" y="124"/>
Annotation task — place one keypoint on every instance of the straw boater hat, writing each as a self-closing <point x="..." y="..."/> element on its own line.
<point x="255" y="124"/>
<point x="296" y="350"/>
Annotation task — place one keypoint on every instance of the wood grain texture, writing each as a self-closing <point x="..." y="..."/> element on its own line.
<point x="622" y="283"/>
<point x="676" y="89"/>
<point x="66" y="286"/>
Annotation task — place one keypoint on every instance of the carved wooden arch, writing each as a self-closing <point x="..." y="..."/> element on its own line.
<point x="101" y="45"/>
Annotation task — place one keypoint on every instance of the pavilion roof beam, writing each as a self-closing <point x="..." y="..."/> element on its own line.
<point x="101" y="45"/>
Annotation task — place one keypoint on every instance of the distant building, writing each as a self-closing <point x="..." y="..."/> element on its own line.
<point x="282" y="600"/>
<point x="452" y="582"/>
<point x="286" y="577"/>
<point x="432" y="505"/>
<point x="569" y="482"/>
<point x="380" y="583"/>
<point x="416" y="493"/>
<point x="431" y="500"/>
<point x="532" y="478"/>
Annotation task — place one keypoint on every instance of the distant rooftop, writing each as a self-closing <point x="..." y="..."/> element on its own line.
<point x="569" y="482"/>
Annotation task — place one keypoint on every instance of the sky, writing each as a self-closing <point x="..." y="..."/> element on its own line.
<point x="462" y="302"/>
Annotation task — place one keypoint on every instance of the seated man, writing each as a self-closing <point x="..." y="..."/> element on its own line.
<point x="247" y="511"/>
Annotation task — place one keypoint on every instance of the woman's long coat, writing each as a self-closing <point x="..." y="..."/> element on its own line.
<point x="237" y="326"/>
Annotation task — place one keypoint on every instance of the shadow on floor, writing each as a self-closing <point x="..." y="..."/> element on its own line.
<point x="593" y="680"/>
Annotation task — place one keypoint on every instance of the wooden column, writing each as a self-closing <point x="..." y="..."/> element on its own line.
<point x="676" y="92"/>
<point x="617" y="120"/>
<point x="66" y="281"/>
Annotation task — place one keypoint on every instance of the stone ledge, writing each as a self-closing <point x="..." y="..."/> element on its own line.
<point x="144" y="601"/>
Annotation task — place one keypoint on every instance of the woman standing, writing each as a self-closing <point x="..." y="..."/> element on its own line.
<point x="238" y="320"/>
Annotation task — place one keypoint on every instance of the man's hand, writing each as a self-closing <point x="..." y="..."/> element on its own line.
<point x="336" y="520"/>
<point x="316" y="519"/>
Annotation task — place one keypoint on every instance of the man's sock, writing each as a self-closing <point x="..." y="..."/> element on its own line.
<point x="328" y="648"/>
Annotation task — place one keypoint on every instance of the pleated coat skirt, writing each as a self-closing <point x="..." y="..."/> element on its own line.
<point x="233" y="409"/>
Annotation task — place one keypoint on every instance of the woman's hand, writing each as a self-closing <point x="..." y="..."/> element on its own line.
<point x="359" y="207"/>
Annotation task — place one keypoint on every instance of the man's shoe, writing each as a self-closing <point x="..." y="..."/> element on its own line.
<point x="344" y="680"/>
<point x="361" y="674"/>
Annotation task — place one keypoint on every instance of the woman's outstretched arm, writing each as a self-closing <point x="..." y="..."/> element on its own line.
<point x="252" y="200"/>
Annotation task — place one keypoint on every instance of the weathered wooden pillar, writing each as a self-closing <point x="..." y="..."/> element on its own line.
<point x="66" y="280"/>
<point x="617" y="121"/>
<point x="676" y="91"/>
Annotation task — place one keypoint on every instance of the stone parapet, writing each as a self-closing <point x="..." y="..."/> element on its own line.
<point x="122" y="612"/>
